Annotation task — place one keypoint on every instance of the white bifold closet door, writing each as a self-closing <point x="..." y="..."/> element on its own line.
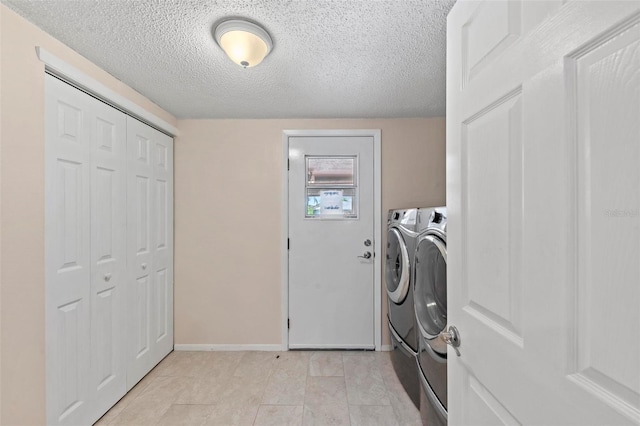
<point x="150" y="244"/>
<point x="85" y="242"/>
<point x="108" y="253"/>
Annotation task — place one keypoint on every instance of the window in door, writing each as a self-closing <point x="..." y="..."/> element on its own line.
<point x="331" y="187"/>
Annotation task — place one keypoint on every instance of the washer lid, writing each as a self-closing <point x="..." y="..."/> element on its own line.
<point x="430" y="290"/>
<point x="397" y="269"/>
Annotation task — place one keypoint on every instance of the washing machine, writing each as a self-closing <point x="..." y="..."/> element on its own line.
<point x="401" y="243"/>
<point x="430" y="303"/>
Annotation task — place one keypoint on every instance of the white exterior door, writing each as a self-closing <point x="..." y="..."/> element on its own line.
<point x="150" y="247"/>
<point x="543" y="147"/>
<point x="331" y="242"/>
<point x="85" y="254"/>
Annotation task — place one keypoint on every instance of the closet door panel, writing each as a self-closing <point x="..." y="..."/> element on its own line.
<point x="161" y="306"/>
<point x="150" y="247"/>
<point x="141" y="204"/>
<point x="140" y="266"/>
<point x="67" y="254"/>
<point x="163" y="178"/>
<point x="141" y="298"/>
<point x="108" y="255"/>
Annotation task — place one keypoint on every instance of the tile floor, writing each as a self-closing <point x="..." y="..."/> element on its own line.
<point x="268" y="388"/>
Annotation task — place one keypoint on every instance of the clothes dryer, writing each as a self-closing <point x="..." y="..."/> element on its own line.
<point x="430" y="297"/>
<point x="401" y="243"/>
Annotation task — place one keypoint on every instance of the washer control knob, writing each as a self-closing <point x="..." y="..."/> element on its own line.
<point x="435" y="217"/>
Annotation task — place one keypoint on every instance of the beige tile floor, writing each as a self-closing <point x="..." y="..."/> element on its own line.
<point x="268" y="388"/>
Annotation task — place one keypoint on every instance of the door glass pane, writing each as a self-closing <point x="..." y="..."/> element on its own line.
<point x="331" y="171"/>
<point x="331" y="187"/>
<point x="331" y="202"/>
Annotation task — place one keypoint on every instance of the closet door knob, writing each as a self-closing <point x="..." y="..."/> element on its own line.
<point x="144" y="266"/>
<point x="107" y="277"/>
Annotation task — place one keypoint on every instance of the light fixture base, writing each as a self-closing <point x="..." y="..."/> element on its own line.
<point x="246" y="43"/>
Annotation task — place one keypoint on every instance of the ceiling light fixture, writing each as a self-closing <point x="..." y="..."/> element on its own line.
<point x="245" y="43"/>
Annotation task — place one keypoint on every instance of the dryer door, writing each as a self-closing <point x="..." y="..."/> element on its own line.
<point x="397" y="267"/>
<point x="430" y="290"/>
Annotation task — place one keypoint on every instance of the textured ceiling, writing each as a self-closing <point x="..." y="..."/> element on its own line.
<point x="331" y="58"/>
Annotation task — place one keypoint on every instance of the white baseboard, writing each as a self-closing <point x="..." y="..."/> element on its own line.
<point x="197" y="347"/>
<point x="330" y="347"/>
<point x="216" y="347"/>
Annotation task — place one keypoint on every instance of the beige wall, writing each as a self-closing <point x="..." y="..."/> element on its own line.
<point x="22" y="221"/>
<point x="228" y="202"/>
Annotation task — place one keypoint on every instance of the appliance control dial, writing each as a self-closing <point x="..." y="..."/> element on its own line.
<point x="435" y="217"/>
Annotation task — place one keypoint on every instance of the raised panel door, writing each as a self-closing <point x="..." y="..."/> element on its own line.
<point x="542" y="194"/>
<point x="150" y="247"/>
<point x="140" y="249"/>
<point x="67" y="254"/>
<point x="163" y="248"/>
<point x="605" y="78"/>
<point x="108" y="255"/>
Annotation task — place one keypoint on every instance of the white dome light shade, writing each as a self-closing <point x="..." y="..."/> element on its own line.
<point x="245" y="43"/>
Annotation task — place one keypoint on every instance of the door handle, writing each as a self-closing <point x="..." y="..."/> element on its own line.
<point x="107" y="277"/>
<point x="144" y="266"/>
<point x="451" y="337"/>
<point x="366" y="255"/>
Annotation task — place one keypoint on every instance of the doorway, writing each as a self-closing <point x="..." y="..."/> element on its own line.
<point x="331" y="290"/>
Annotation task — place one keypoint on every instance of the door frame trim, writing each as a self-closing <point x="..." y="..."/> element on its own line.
<point x="377" y="225"/>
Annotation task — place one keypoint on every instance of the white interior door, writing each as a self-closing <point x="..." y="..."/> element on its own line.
<point x="331" y="218"/>
<point x="85" y="254"/>
<point x="67" y="253"/>
<point x="543" y="144"/>
<point x="90" y="310"/>
<point x="150" y="247"/>
<point x="108" y="255"/>
<point x="163" y="251"/>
